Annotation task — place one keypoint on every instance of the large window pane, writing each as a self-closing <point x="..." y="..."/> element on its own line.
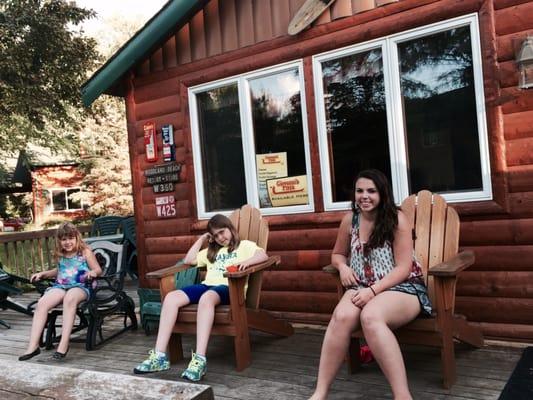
<point x="277" y="127"/>
<point x="356" y="120"/>
<point x="221" y="147"/>
<point x="440" y="112"/>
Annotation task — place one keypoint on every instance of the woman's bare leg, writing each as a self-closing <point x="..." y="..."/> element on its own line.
<point x="48" y="301"/>
<point x="387" y="311"/>
<point x="344" y="321"/>
<point x="169" y="314"/>
<point x="204" y="319"/>
<point x="72" y="298"/>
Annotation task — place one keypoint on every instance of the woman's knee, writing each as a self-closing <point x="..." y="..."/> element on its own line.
<point x="344" y="316"/>
<point x="371" y="318"/>
<point x="174" y="298"/>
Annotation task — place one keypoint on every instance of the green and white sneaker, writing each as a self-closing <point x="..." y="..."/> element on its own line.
<point x="196" y="369"/>
<point x="153" y="363"/>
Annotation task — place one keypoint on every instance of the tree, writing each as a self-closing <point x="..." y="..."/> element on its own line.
<point x="44" y="60"/>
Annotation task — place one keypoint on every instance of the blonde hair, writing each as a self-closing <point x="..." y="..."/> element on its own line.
<point x="220" y="221"/>
<point x="68" y="229"/>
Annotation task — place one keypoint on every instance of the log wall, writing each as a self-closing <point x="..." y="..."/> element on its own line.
<point x="224" y="39"/>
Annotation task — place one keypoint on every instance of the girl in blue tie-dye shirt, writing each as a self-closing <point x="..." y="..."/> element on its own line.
<point x="76" y="265"/>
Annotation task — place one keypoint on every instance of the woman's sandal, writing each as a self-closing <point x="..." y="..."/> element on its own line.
<point x="27" y="356"/>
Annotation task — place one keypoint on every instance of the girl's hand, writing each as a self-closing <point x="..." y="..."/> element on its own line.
<point x="91" y="275"/>
<point x="347" y="276"/>
<point x="207" y="237"/>
<point x="244" y="265"/>
<point x="36" y="277"/>
<point x="362" y="297"/>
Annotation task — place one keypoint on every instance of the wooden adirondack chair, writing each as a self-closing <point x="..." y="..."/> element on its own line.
<point x="436" y="229"/>
<point x="243" y="312"/>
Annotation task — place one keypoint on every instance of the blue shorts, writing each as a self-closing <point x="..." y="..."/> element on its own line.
<point x="194" y="292"/>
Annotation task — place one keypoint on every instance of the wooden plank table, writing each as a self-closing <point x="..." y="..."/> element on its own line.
<point x="21" y="380"/>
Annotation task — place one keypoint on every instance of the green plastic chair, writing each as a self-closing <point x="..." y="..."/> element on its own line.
<point x="106" y="225"/>
<point x="127" y="226"/>
<point x="150" y="299"/>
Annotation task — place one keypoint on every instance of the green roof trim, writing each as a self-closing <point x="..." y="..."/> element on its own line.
<point x="173" y="15"/>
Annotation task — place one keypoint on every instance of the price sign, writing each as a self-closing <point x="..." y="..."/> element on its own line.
<point x="165" y="206"/>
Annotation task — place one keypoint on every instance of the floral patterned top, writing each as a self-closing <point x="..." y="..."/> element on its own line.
<point x="372" y="264"/>
<point x="71" y="272"/>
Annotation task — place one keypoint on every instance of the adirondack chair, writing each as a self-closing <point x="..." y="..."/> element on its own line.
<point x="243" y="312"/>
<point x="106" y="225"/>
<point x="436" y="237"/>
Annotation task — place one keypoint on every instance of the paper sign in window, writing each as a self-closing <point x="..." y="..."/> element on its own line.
<point x="269" y="166"/>
<point x="290" y="191"/>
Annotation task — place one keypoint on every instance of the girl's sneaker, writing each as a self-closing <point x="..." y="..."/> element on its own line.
<point x="196" y="369"/>
<point x="153" y="363"/>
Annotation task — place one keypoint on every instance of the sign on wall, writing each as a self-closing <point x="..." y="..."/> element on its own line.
<point x="163" y="177"/>
<point x="165" y="206"/>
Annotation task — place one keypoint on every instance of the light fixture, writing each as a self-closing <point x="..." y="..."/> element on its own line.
<point x="524" y="59"/>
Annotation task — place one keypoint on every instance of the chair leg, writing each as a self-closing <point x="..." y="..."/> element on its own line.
<point x="448" y="360"/>
<point x="4" y="323"/>
<point x="175" y="349"/>
<point x="243" y="354"/>
<point x="51" y="335"/>
<point x="352" y="358"/>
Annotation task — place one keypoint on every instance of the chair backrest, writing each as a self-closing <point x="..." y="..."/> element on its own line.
<point x="436" y="230"/>
<point x="127" y="226"/>
<point x="251" y="226"/>
<point x="109" y="256"/>
<point x="106" y="225"/>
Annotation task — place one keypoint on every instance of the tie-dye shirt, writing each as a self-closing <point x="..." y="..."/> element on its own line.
<point x="71" y="272"/>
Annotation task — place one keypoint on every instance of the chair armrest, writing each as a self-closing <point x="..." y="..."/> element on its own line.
<point x="161" y="273"/>
<point x="452" y="267"/>
<point x="330" y="269"/>
<point x="273" y="260"/>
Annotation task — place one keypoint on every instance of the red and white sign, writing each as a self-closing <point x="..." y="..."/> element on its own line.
<point x="165" y="206"/>
<point x="150" y="142"/>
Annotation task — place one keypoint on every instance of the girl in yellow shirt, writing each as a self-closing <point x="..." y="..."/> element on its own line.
<point x="224" y="248"/>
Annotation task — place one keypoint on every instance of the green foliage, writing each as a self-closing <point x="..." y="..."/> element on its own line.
<point x="43" y="63"/>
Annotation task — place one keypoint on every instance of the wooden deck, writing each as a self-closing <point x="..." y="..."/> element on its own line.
<point x="281" y="368"/>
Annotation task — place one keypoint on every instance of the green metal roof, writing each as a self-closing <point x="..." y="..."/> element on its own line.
<point x="171" y="17"/>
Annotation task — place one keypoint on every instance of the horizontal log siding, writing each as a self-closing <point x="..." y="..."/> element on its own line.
<point x="495" y="292"/>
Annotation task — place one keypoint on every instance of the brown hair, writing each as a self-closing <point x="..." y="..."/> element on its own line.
<point x="387" y="212"/>
<point x="68" y="229"/>
<point x="220" y="221"/>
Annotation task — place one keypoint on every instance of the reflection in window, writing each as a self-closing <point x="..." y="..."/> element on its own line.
<point x="277" y="125"/>
<point x="59" y="200"/>
<point x="74" y="203"/>
<point x="356" y="120"/>
<point x="221" y="147"/>
<point x="439" y="108"/>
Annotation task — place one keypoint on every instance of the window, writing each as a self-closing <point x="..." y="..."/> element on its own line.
<point x="410" y="105"/>
<point x="61" y="199"/>
<point x="250" y="143"/>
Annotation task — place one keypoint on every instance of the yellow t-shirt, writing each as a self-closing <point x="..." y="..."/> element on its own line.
<point x="223" y="259"/>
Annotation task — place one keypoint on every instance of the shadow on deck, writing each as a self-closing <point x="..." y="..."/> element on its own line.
<point x="281" y="368"/>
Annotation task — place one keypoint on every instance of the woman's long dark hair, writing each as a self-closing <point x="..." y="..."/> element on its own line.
<point x="220" y="221"/>
<point x="387" y="213"/>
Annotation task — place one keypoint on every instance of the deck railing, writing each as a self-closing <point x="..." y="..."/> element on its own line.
<point x="25" y="253"/>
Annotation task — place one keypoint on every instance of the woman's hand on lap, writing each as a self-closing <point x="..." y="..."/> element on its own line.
<point x="347" y="276"/>
<point x="362" y="297"/>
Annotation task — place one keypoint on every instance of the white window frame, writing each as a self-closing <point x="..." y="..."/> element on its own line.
<point x="245" y="107"/>
<point x="65" y="190"/>
<point x="394" y="112"/>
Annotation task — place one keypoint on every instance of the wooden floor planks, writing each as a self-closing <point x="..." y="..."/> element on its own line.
<point x="281" y="368"/>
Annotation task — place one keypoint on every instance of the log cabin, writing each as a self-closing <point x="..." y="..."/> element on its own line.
<point x="425" y="90"/>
